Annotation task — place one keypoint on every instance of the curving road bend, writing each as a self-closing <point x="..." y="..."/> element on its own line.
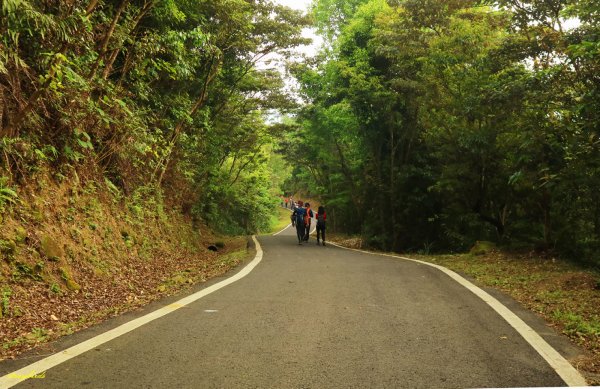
<point x="317" y="317"/>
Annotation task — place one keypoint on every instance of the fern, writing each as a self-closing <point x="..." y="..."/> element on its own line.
<point x="7" y="195"/>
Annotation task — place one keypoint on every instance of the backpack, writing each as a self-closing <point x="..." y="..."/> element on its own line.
<point x="320" y="218"/>
<point x="300" y="213"/>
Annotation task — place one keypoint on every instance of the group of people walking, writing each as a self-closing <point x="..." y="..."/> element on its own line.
<point x="302" y="217"/>
<point x="287" y="200"/>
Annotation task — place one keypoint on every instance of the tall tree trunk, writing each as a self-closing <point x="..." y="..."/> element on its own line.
<point x="3" y="110"/>
<point x="143" y="11"/>
<point x="104" y="45"/>
<point x="347" y="173"/>
<point x="164" y="163"/>
<point x="91" y="6"/>
<point x="109" y="63"/>
<point x="545" y="205"/>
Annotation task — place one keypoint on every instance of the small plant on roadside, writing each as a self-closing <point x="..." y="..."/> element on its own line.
<point x="13" y="343"/>
<point x="575" y="325"/>
<point x="8" y="249"/>
<point x="37" y="335"/>
<point x="55" y="288"/>
<point x="6" y="293"/>
<point x="39" y="267"/>
<point x="427" y="248"/>
<point x="46" y="153"/>
<point x="7" y="195"/>
<point x="25" y="270"/>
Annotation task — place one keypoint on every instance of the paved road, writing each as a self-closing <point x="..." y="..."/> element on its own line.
<point x="318" y="317"/>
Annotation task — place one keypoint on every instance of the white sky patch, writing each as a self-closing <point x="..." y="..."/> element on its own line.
<point x="310" y="49"/>
<point x="304" y="5"/>
<point x="295" y="4"/>
<point x="571" y="23"/>
<point x="275" y="61"/>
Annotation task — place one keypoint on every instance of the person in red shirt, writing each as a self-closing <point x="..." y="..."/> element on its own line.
<point x="321" y="218"/>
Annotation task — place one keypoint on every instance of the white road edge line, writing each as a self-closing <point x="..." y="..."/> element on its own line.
<point x="286" y="227"/>
<point x="43" y="365"/>
<point x="563" y="368"/>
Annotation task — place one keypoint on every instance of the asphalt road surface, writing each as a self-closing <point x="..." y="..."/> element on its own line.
<point x="317" y="317"/>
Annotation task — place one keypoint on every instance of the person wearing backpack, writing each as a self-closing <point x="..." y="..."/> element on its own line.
<point x="298" y="216"/>
<point x="307" y="221"/>
<point x="321" y="218"/>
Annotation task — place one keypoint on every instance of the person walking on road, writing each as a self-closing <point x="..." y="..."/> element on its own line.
<point x="307" y="221"/>
<point x="298" y="217"/>
<point x="321" y="219"/>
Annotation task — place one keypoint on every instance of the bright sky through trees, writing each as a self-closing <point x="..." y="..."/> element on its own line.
<point x="307" y="32"/>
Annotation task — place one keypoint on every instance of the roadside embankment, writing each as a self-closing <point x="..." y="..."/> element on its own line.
<point x="75" y="253"/>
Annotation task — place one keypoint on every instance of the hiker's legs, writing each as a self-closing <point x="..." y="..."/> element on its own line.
<point x="300" y="232"/>
<point x="321" y="232"/>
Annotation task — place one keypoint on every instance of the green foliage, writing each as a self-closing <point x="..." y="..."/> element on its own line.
<point x="24" y="270"/>
<point x="428" y="123"/>
<point x="55" y="288"/>
<point x="162" y="98"/>
<point x="37" y="335"/>
<point x="449" y="123"/>
<point x="6" y="293"/>
<point x="147" y="203"/>
<point x="238" y="199"/>
<point x="577" y="325"/>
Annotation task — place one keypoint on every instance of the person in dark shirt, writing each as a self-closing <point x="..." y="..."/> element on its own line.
<point x="298" y="216"/>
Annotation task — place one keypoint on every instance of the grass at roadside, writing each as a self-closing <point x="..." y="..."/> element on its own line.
<point x="278" y="221"/>
<point x="564" y="294"/>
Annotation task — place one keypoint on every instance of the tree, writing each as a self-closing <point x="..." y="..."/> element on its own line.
<point x="160" y="93"/>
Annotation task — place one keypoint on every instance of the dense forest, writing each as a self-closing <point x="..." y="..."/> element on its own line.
<point x="431" y="124"/>
<point x="156" y="100"/>
<point x="422" y="125"/>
